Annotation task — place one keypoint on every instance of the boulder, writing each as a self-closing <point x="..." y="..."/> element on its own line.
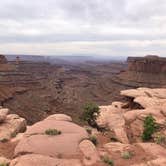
<point x="11" y="127"/>
<point x="36" y="141"/>
<point x="90" y="153"/>
<point x="40" y="160"/>
<point x="112" y="118"/>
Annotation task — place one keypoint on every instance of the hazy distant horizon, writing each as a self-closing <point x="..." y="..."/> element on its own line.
<point x="89" y="27"/>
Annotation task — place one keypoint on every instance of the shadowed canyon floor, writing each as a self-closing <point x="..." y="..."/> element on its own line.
<point x="65" y="89"/>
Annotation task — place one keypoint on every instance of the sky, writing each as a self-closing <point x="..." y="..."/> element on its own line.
<point x="83" y="27"/>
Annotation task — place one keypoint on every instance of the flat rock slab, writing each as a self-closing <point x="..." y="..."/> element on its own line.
<point x="39" y="160"/>
<point x="67" y="143"/>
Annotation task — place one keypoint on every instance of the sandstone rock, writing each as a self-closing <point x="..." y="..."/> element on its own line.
<point x="3" y="114"/>
<point x="60" y="117"/>
<point x="148" y="102"/>
<point x="112" y="118"/>
<point x="145" y="92"/>
<point x="157" y="162"/>
<point x="36" y="141"/>
<point x="89" y="151"/>
<point x="11" y="127"/>
<point x="118" y="147"/>
<point x="40" y="160"/>
<point x="4" y="160"/>
<point x="153" y="149"/>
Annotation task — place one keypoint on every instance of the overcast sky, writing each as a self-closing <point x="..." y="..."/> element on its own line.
<point x="97" y="27"/>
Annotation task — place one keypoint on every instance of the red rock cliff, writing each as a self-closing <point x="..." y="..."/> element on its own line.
<point x="148" y="64"/>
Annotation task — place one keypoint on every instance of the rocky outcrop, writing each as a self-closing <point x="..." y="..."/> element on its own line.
<point x="56" y="140"/>
<point x="10" y="125"/>
<point x="69" y="147"/>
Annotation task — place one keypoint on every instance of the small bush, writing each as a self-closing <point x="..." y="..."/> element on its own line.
<point x="89" y="131"/>
<point x="93" y="139"/>
<point x="149" y="128"/>
<point x="126" y="155"/>
<point x="52" y="132"/>
<point x="4" y="164"/>
<point x="108" y="161"/>
<point x="90" y="114"/>
<point x="160" y="139"/>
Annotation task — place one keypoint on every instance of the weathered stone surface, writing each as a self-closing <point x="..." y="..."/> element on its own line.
<point x="90" y="153"/>
<point x="3" y="114"/>
<point x="52" y="145"/>
<point x="153" y="149"/>
<point x="40" y="160"/>
<point x="59" y="117"/>
<point x="112" y="118"/>
<point x="11" y="127"/>
<point x="118" y="147"/>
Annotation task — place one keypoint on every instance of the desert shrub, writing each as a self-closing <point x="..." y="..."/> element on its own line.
<point x="89" y="131"/>
<point x="108" y="161"/>
<point x="126" y="155"/>
<point x="149" y="128"/>
<point x="91" y="112"/>
<point x="160" y="139"/>
<point x="93" y="139"/>
<point x="4" y="164"/>
<point x="52" y="132"/>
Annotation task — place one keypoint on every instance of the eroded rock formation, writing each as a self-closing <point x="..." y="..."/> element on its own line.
<point x="120" y="143"/>
<point x="148" y="64"/>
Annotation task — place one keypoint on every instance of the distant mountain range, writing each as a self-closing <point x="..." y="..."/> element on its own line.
<point x="65" y="58"/>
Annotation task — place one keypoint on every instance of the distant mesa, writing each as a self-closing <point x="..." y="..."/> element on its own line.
<point x="3" y="59"/>
<point x="148" y="64"/>
<point x="149" y="71"/>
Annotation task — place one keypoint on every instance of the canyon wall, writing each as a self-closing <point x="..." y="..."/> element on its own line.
<point x="148" y="64"/>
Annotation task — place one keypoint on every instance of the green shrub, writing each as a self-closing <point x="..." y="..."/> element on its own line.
<point x="90" y="114"/>
<point x="52" y="132"/>
<point x="108" y="161"/>
<point x="126" y="155"/>
<point x="149" y="128"/>
<point x="93" y="139"/>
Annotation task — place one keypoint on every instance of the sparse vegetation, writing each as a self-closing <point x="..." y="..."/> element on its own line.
<point x="160" y="139"/>
<point x="126" y="155"/>
<point x="90" y="114"/>
<point x="4" y="164"/>
<point x="108" y="161"/>
<point x="89" y="131"/>
<point x="93" y="139"/>
<point x="149" y="128"/>
<point x="52" y="132"/>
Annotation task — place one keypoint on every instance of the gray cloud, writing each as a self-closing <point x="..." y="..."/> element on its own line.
<point x="55" y="22"/>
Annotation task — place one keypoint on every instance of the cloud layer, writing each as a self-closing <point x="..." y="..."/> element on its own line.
<point x="100" y="27"/>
